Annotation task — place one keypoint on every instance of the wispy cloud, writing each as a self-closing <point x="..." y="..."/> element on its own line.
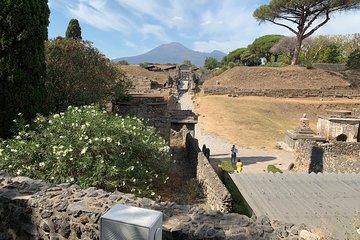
<point x="155" y="30"/>
<point x="96" y="13"/>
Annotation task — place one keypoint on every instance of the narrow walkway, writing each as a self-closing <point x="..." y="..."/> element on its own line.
<point x="254" y="160"/>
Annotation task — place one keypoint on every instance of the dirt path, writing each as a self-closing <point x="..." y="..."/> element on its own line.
<point x="254" y="160"/>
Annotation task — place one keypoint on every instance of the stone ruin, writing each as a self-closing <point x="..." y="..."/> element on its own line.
<point x="335" y="125"/>
<point x="336" y="147"/>
<point x="302" y="132"/>
<point x="340" y="125"/>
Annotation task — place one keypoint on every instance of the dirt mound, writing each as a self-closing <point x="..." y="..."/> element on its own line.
<point x="139" y="72"/>
<point x="290" y="77"/>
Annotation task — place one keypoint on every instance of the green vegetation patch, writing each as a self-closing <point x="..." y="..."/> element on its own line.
<point x="273" y="169"/>
<point x="90" y="147"/>
<point x="227" y="167"/>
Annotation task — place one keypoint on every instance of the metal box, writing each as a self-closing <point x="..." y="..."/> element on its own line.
<point x="130" y="223"/>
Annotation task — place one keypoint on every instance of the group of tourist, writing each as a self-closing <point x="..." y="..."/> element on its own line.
<point x="234" y="151"/>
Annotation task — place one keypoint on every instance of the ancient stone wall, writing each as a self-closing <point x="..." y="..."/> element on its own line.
<point x="331" y="128"/>
<point x="154" y="109"/>
<point x="288" y="93"/>
<point x="183" y="166"/>
<point x="31" y="209"/>
<point x="334" y="157"/>
<point x="217" y="195"/>
<point x="334" y="67"/>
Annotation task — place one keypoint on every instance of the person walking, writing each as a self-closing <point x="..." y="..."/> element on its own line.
<point x="239" y="166"/>
<point x="233" y="153"/>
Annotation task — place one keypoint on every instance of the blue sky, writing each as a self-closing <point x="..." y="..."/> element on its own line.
<point x="121" y="28"/>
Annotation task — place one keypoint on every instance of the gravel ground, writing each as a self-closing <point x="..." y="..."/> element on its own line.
<point x="254" y="160"/>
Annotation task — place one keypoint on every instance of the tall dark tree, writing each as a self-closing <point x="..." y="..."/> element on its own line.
<point x="306" y="15"/>
<point x="23" y="31"/>
<point x="73" y="30"/>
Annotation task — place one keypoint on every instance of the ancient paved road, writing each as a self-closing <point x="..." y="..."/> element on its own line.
<point x="254" y="160"/>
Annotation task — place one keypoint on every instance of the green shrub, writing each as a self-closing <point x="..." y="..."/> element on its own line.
<point x="89" y="147"/>
<point x="231" y="64"/>
<point x="227" y="167"/>
<point x="354" y="60"/>
<point x="123" y="62"/>
<point x="273" y="169"/>
<point x="78" y="74"/>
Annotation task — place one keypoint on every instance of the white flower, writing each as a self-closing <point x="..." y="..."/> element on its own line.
<point x="132" y="168"/>
<point x="56" y="116"/>
<point x="83" y="151"/>
<point x="72" y="179"/>
<point x="18" y="172"/>
<point x="27" y="125"/>
<point x="50" y="122"/>
<point x="152" y="193"/>
<point x="13" y="150"/>
<point x="61" y="137"/>
<point x="42" y="164"/>
<point x="18" y="137"/>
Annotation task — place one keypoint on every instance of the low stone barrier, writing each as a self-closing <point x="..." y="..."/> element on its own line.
<point x="334" y="157"/>
<point x="286" y="93"/>
<point x="334" y="67"/>
<point x="31" y="209"/>
<point x="217" y="195"/>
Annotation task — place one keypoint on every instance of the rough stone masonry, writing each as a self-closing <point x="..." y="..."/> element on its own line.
<point x="31" y="209"/>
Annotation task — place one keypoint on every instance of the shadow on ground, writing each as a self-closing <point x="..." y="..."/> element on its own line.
<point x="245" y="160"/>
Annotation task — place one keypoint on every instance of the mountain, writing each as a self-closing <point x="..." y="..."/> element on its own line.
<point x="172" y="53"/>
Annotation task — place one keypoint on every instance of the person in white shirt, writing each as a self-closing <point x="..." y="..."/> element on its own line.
<point x="233" y="153"/>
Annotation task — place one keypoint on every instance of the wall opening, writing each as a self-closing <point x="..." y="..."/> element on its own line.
<point x="341" y="138"/>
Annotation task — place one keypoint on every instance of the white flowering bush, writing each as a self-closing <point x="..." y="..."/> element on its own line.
<point x="90" y="147"/>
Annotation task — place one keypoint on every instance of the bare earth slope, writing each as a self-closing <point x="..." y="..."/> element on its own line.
<point x="139" y="72"/>
<point x="290" y="77"/>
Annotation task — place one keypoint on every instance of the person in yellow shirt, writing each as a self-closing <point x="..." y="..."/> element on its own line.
<point x="239" y="165"/>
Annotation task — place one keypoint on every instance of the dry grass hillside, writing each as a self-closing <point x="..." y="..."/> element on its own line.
<point x="261" y="121"/>
<point x="290" y="77"/>
<point x="139" y="72"/>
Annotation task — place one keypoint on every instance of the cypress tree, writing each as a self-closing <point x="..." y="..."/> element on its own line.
<point x="73" y="30"/>
<point x="23" y="30"/>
